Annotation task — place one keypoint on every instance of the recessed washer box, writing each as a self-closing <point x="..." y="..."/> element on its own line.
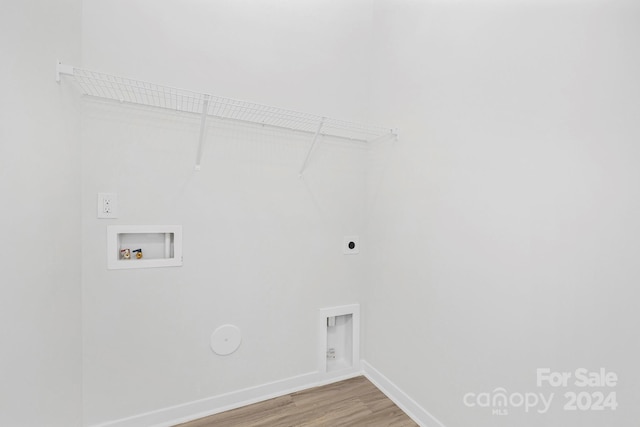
<point x="158" y="246"/>
<point x="339" y="340"/>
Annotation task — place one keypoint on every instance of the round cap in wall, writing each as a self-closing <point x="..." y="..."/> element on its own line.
<point x="226" y="339"/>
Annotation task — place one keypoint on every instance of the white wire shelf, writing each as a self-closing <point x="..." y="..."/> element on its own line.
<point x="122" y="89"/>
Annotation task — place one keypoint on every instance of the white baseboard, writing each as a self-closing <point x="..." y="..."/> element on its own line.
<point x="167" y="417"/>
<point x="170" y="416"/>
<point x="400" y="398"/>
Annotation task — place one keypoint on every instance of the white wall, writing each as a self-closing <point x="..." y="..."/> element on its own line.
<point x="499" y="235"/>
<point x="40" y="338"/>
<point x="504" y="227"/>
<point x="307" y="55"/>
<point x="262" y="248"/>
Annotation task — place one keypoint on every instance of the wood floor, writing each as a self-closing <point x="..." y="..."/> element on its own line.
<point x="354" y="402"/>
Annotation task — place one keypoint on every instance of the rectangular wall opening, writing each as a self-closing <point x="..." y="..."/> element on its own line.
<point x="152" y="245"/>
<point x="339" y="349"/>
<point x="144" y="246"/>
<point x="339" y="342"/>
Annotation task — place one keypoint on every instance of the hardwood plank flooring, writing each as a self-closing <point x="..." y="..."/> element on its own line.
<point x="354" y="402"/>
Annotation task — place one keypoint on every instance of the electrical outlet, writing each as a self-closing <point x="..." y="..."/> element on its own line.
<point x="351" y="245"/>
<point x="107" y="205"/>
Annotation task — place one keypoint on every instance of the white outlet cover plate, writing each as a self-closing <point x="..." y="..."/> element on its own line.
<point x="112" y="199"/>
<point x="348" y="242"/>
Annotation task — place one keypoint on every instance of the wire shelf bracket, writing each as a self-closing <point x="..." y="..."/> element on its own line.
<point x="313" y="144"/>
<point x="126" y="90"/>
<point x="203" y="130"/>
<point x="63" y="69"/>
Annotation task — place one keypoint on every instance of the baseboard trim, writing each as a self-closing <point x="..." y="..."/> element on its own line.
<point x="416" y="412"/>
<point x="170" y="416"/>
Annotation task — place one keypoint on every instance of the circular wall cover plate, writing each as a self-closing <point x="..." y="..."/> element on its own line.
<point x="226" y="339"/>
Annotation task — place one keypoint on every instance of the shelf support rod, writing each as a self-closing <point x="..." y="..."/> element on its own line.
<point x="313" y="144"/>
<point x="63" y="69"/>
<point x="203" y="130"/>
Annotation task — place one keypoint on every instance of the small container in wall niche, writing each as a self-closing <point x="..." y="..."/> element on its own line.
<point x="160" y="244"/>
